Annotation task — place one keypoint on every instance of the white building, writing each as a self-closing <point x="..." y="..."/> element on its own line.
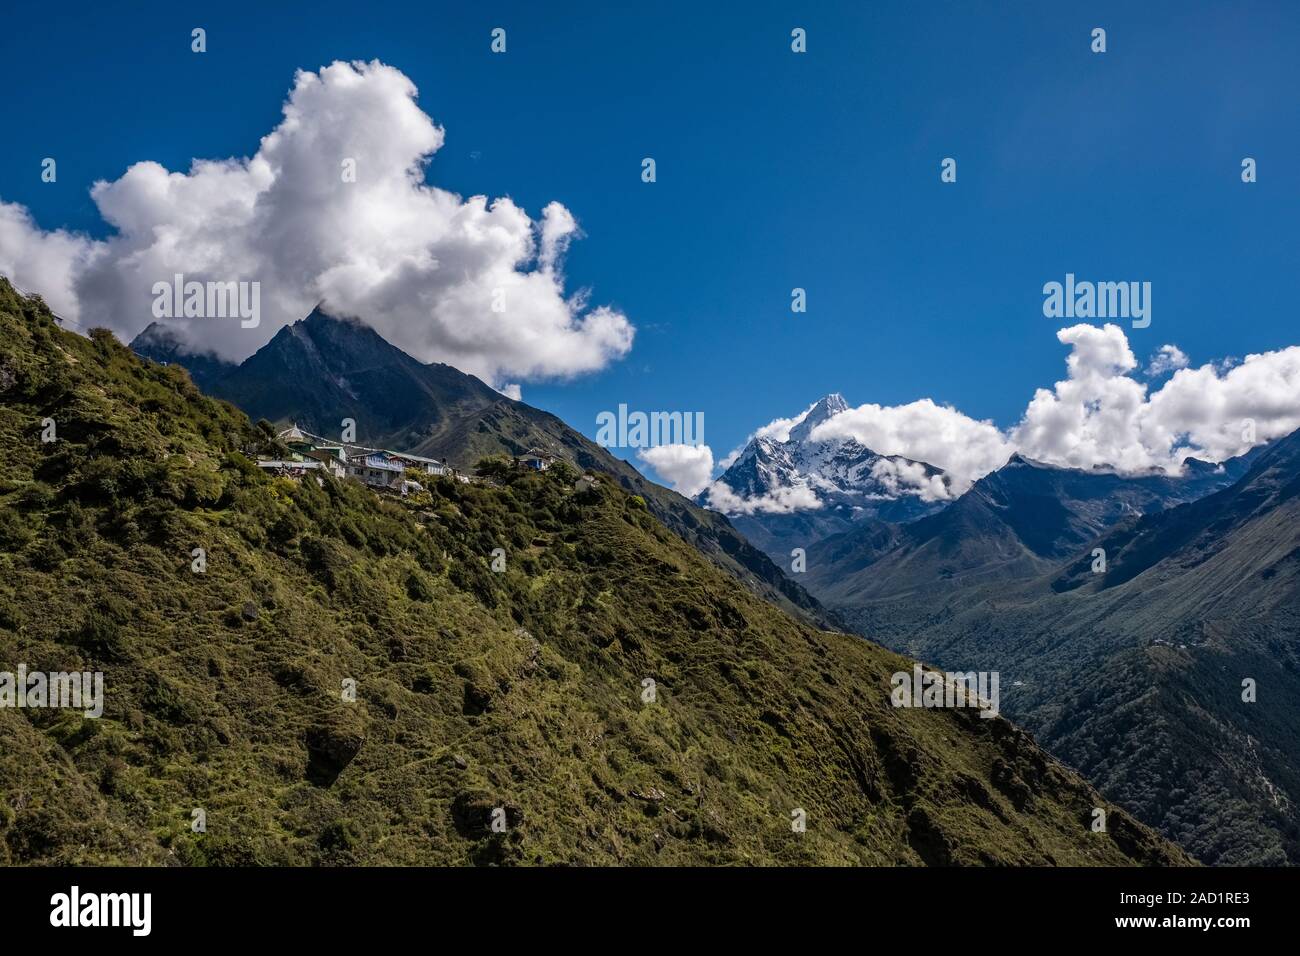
<point x="377" y="470"/>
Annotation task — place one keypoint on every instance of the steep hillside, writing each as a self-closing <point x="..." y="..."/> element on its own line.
<point x="321" y="370"/>
<point x="1135" y="674"/>
<point x="161" y="344"/>
<point x="522" y="692"/>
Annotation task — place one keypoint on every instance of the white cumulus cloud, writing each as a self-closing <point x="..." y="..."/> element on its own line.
<point x="44" y="262"/>
<point x="686" y="467"/>
<point x="901" y="478"/>
<point x="924" y="431"/>
<point x="475" y="283"/>
<point x="784" y="500"/>
<point x="1168" y="358"/>
<point x="1100" y="416"/>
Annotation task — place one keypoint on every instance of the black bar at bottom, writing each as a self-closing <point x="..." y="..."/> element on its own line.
<point x="334" y="906"/>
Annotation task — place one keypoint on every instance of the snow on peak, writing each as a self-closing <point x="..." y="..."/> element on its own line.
<point x="780" y="474"/>
<point x="825" y="409"/>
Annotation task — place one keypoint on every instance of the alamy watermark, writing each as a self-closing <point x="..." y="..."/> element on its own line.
<point x="922" y="688"/>
<point x="639" y="430"/>
<point x="77" y="690"/>
<point x="179" y="299"/>
<point x="133" y="911"/>
<point x="1098" y="300"/>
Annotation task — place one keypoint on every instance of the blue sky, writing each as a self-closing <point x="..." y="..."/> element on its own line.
<point x="775" y="170"/>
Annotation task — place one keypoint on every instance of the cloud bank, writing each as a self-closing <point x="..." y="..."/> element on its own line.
<point x="924" y="431"/>
<point x="1168" y="358"/>
<point x="1100" y="416"/>
<point x="686" y="467"/>
<point x="477" y="284"/>
<point x="782" y="501"/>
<point x="901" y="478"/>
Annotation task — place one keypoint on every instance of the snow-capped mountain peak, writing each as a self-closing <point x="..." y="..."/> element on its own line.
<point x="825" y="409"/>
<point x="800" y="474"/>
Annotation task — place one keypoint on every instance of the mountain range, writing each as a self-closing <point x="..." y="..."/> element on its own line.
<point x="349" y="680"/>
<point x="1016" y="522"/>
<point x="1125" y="614"/>
<point x="1131" y="669"/>
<point x="321" y="370"/>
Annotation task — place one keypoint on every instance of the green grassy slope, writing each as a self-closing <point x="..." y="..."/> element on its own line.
<point x="476" y="690"/>
<point x="513" y="427"/>
<point x="1135" y="676"/>
<point x="320" y="370"/>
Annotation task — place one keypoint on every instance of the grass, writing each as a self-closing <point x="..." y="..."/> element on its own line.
<point x="475" y="692"/>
